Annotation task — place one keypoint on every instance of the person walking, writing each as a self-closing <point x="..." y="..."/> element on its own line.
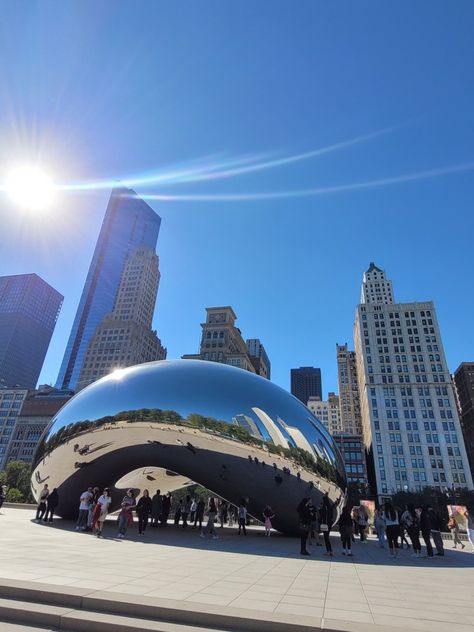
<point x="392" y="528"/>
<point x="425" y="526"/>
<point x="454" y="528"/>
<point x="242" y="518"/>
<point x="42" y="507"/>
<point x="304" y="515"/>
<point x="144" y="508"/>
<point x="345" y="529"/>
<point x="125" y="516"/>
<point x="379" y="524"/>
<point x="470" y="528"/>
<point x="325" y="523"/>
<point x="199" y="515"/>
<point x="436" y="525"/>
<point x="51" y="504"/>
<point x="223" y="512"/>
<point x="211" y="517"/>
<point x="102" y="509"/>
<point x="411" y="523"/>
<point x="177" y="511"/>
<point x="267" y="519"/>
<point x="186" y="510"/>
<point x="362" y="520"/>
<point x="156" y="508"/>
<point x="84" y="502"/>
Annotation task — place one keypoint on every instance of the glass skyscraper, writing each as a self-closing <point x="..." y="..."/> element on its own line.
<point x="128" y="223"/>
<point x="29" y="308"/>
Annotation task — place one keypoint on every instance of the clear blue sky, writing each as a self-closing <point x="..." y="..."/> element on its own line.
<point x="103" y="89"/>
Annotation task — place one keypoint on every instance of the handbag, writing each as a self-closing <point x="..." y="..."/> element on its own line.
<point x="324" y="527"/>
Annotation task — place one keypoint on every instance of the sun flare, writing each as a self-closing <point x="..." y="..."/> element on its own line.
<point x="30" y="187"/>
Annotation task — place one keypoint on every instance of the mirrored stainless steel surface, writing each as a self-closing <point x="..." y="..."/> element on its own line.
<point x="164" y="424"/>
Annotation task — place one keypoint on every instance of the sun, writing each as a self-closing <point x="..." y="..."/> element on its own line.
<point x="30" y="187"/>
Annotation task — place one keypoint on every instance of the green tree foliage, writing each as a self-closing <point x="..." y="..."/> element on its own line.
<point x="14" y="496"/>
<point x="17" y="478"/>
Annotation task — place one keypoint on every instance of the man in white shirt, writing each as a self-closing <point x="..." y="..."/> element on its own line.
<point x="85" y="501"/>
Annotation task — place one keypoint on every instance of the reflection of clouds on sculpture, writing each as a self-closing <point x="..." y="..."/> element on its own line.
<point x="207" y="422"/>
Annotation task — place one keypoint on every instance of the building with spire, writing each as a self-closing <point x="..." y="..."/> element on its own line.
<point x="410" y="423"/>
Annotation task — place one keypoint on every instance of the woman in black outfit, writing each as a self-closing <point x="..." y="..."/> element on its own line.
<point x="144" y="507"/>
<point x="51" y="504"/>
<point x="325" y="523"/>
<point x="425" y="526"/>
<point x="304" y="514"/>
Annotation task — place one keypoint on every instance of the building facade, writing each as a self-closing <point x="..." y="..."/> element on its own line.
<point x="11" y="402"/>
<point x="328" y="412"/>
<point x="349" y="399"/>
<point x="352" y="451"/>
<point x="38" y="409"/>
<point x="306" y="383"/>
<point x="464" y="384"/>
<point x="222" y="341"/>
<point x="259" y="357"/>
<point x="129" y="223"/>
<point x="29" y="309"/>
<point x="125" y="337"/>
<point x="409" y="418"/>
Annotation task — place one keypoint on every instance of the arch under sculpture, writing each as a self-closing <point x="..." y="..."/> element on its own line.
<point x="163" y="425"/>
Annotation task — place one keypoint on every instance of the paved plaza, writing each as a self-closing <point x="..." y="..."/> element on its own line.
<point x="253" y="573"/>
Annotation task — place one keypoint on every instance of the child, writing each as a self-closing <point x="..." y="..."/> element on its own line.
<point x="268" y="515"/>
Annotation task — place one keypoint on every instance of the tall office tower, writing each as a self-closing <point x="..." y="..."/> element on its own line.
<point x="376" y="288"/>
<point x="464" y="383"/>
<point x="352" y="451"/>
<point x="11" y="402"/>
<point x="259" y="357"/>
<point x="29" y="309"/>
<point x="38" y="408"/>
<point x="128" y="224"/>
<point x="328" y="412"/>
<point x="306" y="383"/>
<point x="222" y="341"/>
<point x="348" y="390"/>
<point x="125" y="337"/>
<point x="409" y="419"/>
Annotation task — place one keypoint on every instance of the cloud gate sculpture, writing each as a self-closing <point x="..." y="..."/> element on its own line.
<point x="167" y="424"/>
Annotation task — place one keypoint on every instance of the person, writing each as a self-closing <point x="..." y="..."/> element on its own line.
<point x="51" y="504"/>
<point x="436" y="531"/>
<point x="199" y="515"/>
<point x="92" y="504"/>
<point x="223" y="512"/>
<point x="379" y="524"/>
<point x="313" y="533"/>
<point x="102" y="509"/>
<point x="411" y="523"/>
<point x="43" y="497"/>
<point x="304" y="515"/>
<point x="454" y="528"/>
<point x="362" y="523"/>
<point x="211" y="517"/>
<point x="125" y="516"/>
<point x="425" y="526"/>
<point x="84" y="502"/>
<point x="355" y="522"/>
<point x="470" y="528"/>
<point x="144" y="508"/>
<point x="192" y="511"/>
<point x="392" y="527"/>
<point x="156" y="508"/>
<point x="401" y="535"/>
<point x="242" y="518"/>
<point x="325" y="523"/>
<point x="2" y="496"/>
<point x="186" y="510"/>
<point x="166" y="508"/>
<point x="345" y="529"/>
<point x="177" y="511"/>
<point x="267" y="519"/>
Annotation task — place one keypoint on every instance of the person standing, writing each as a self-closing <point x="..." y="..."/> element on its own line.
<point x="84" y="502"/>
<point x="425" y="526"/>
<point x="177" y="511"/>
<point x="92" y="505"/>
<point x="411" y="523"/>
<point x="362" y="523"/>
<point x="454" y="528"/>
<point x="42" y="507"/>
<point x="199" y="515"/>
<point x="325" y="523"/>
<point x="211" y="517"/>
<point x="186" y="510"/>
<point x="242" y="518"/>
<point x="102" y="508"/>
<point x="166" y="509"/>
<point x="470" y="528"/>
<point x="392" y="528"/>
<point x="2" y="495"/>
<point x="192" y="511"/>
<point x="144" y="508"/>
<point x="436" y="531"/>
<point x="125" y="515"/>
<point x="304" y="515"/>
<point x="51" y="504"/>
<point x="345" y="529"/>
<point x="223" y="512"/>
<point x="156" y="508"/>
<point x="379" y="524"/>
<point x="267" y="518"/>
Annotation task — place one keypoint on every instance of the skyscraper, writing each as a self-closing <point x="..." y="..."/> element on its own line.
<point x="348" y="390"/>
<point x="328" y="412"/>
<point x="259" y="357"/>
<point x="11" y="402"/>
<point x="306" y="383"/>
<point x="125" y="337"/>
<point x="464" y="383"/>
<point x="29" y="308"/>
<point x="409" y="418"/>
<point x="128" y="223"/>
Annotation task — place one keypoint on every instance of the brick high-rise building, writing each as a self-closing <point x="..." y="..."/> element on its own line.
<point x="349" y="399"/>
<point x="464" y="383"/>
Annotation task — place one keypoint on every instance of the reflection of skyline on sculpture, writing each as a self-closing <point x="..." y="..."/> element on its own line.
<point x="217" y="425"/>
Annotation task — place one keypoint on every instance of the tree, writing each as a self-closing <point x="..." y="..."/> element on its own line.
<point x="14" y="496"/>
<point x="17" y="475"/>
